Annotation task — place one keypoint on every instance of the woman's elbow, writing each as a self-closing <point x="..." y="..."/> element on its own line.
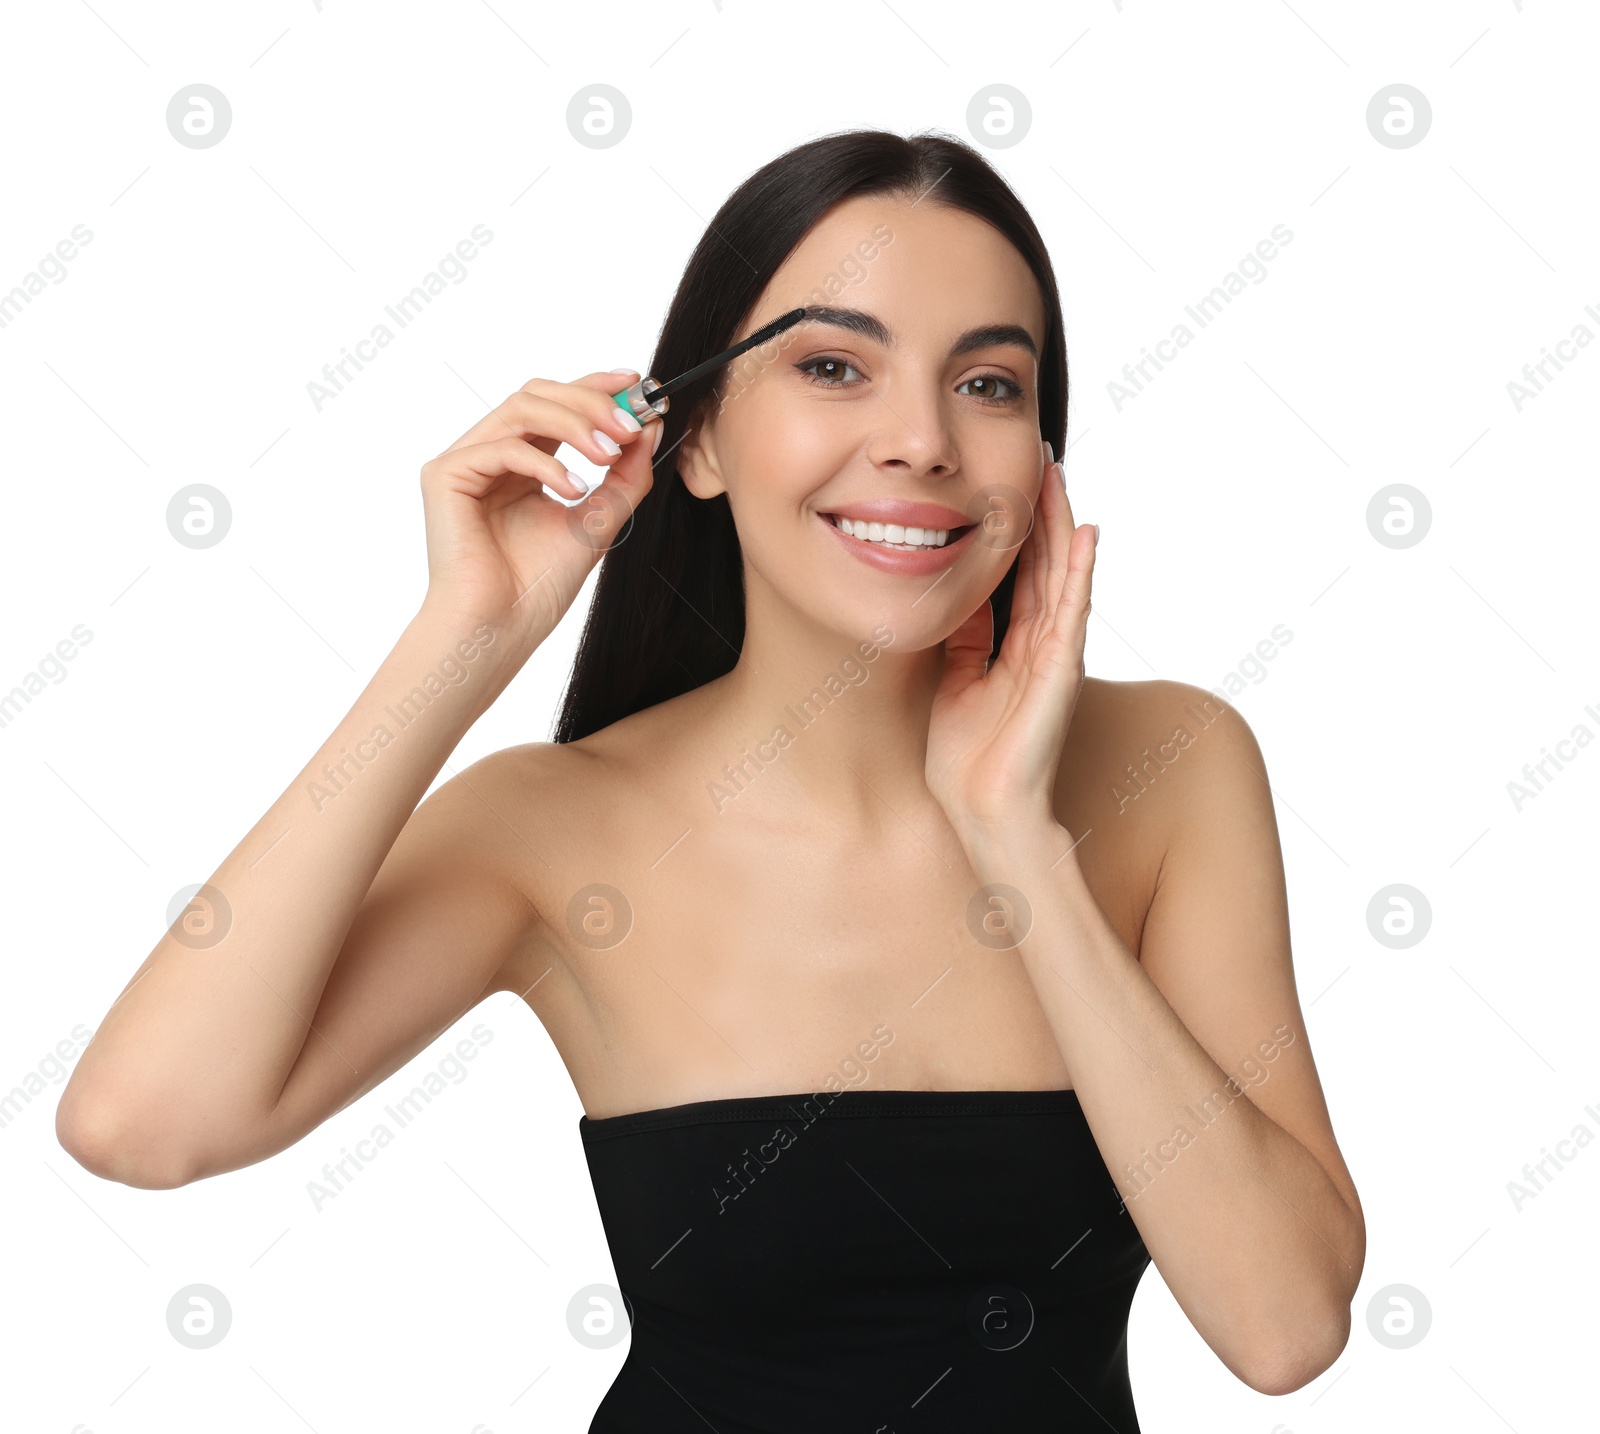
<point x="94" y="1136"/>
<point x="1293" y="1364"/>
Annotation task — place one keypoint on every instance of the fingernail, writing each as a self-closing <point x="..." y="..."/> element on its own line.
<point x="1049" y="452"/>
<point x="624" y="370"/>
<point x="582" y="484"/>
<point x="606" y="443"/>
<point x="1097" y="535"/>
<point x="628" y="421"/>
<point x="655" y="441"/>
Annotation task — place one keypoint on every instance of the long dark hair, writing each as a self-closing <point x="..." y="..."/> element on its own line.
<point x="668" y="609"/>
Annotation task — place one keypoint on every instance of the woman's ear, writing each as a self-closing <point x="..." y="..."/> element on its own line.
<point x="697" y="461"/>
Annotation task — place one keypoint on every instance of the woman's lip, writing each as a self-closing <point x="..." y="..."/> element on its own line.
<point x="893" y="560"/>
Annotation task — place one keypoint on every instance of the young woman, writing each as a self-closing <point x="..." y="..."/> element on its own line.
<point x="918" y="990"/>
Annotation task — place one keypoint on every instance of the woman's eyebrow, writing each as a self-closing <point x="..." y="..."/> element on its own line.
<point x="870" y="326"/>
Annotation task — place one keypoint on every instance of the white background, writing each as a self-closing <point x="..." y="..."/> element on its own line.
<point x="1165" y="141"/>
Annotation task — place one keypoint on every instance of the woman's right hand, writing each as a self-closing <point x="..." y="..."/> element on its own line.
<point x="501" y="551"/>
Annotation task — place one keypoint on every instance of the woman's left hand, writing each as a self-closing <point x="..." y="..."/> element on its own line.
<point x="995" y="737"/>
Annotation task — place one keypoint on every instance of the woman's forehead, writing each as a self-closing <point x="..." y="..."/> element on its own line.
<point x="924" y="270"/>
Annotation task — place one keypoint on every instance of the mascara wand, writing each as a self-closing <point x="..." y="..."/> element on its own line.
<point x="648" y="399"/>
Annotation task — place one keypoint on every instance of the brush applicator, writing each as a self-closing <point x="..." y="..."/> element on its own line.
<point x="648" y="399"/>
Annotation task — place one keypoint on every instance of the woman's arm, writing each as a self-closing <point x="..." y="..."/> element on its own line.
<point x="343" y="933"/>
<point x="1192" y="1064"/>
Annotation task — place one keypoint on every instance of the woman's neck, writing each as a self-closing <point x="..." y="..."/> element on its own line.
<point x="829" y="727"/>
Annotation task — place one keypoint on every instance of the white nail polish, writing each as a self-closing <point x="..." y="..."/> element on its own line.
<point x="582" y="484"/>
<point x="606" y="442"/>
<point x="628" y="421"/>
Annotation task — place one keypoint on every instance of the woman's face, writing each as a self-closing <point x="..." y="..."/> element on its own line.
<point x="908" y="403"/>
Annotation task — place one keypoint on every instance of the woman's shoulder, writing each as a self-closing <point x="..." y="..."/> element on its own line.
<point x="1142" y="757"/>
<point x="1145" y="763"/>
<point x="548" y="786"/>
<point x="1149" y="706"/>
<point x="560" y="784"/>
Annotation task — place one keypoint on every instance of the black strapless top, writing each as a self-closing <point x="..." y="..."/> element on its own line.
<point x="889" y="1262"/>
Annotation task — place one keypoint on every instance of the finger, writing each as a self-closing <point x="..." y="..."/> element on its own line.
<point x="549" y="419"/>
<point x="1047" y="522"/>
<point x="593" y="395"/>
<point x="1066" y="498"/>
<point x="1025" y="591"/>
<point x="1039" y="570"/>
<point x="1072" y="613"/>
<point x="549" y="414"/>
<point x="514" y="487"/>
<point x="479" y="467"/>
<point x="589" y="397"/>
<point x="632" y="475"/>
<point x="1062" y="531"/>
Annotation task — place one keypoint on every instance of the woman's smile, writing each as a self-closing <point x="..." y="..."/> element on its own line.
<point x="884" y="545"/>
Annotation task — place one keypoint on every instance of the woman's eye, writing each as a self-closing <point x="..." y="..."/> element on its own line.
<point x="999" y="390"/>
<point x="829" y="373"/>
<point x="831" y="380"/>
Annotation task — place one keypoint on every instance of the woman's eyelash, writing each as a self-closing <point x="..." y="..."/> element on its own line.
<point x="809" y="364"/>
<point x="806" y="369"/>
<point x="1014" y="396"/>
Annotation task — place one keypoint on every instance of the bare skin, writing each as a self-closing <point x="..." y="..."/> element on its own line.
<point x="766" y="940"/>
<point x="761" y="936"/>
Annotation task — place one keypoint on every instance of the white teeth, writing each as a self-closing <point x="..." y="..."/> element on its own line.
<point x="893" y="535"/>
